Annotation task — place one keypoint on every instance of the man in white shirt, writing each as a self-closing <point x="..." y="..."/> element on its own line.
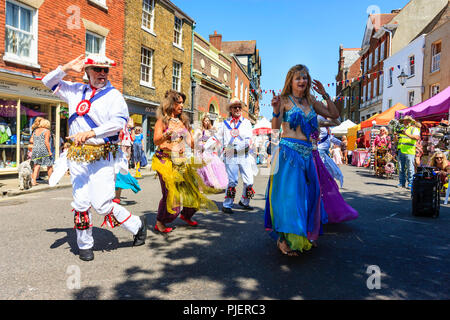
<point x="97" y="113"/>
<point x="235" y="135"/>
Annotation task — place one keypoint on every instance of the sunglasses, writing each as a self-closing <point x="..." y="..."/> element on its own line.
<point x="100" y="69"/>
<point x="439" y="158"/>
<point x="237" y="107"/>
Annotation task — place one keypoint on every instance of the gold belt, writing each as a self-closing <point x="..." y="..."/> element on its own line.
<point x="91" y="153"/>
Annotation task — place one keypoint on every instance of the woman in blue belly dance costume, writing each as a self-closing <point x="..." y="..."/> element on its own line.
<point x="294" y="210"/>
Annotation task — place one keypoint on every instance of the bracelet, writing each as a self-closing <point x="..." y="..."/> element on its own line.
<point x="276" y="115"/>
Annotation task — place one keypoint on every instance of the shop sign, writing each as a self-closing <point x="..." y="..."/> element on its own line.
<point x="26" y="90"/>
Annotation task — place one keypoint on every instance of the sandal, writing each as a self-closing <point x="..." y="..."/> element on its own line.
<point x="290" y="253"/>
<point x="189" y="221"/>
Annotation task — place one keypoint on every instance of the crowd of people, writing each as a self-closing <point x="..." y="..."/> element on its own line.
<point x="301" y="196"/>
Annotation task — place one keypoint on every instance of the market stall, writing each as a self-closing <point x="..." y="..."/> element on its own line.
<point x="342" y="129"/>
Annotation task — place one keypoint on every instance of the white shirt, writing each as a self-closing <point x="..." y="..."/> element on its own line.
<point x="238" y="143"/>
<point x="109" y="112"/>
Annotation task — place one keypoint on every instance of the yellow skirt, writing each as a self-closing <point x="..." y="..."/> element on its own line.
<point x="185" y="187"/>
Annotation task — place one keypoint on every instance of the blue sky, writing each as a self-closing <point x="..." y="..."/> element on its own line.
<point x="288" y="32"/>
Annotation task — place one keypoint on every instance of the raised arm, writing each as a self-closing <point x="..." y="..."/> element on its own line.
<point x="328" y="111"/>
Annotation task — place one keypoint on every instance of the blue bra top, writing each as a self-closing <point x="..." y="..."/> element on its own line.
<point x="296" y="117"/>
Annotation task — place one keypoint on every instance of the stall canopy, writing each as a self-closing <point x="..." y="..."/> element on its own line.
<point x="342" y="129"/>
<point x="434" y="109"/>
<point x="263" y="126"/>
<point x="383" y="118"/>
<point x="351" y="137"/>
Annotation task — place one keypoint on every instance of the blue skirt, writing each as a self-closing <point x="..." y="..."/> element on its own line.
<point x="293" y="204"/>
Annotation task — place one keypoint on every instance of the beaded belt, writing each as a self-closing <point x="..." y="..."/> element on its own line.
<point x="303" y="148"/>
<point x="91" y="153"/>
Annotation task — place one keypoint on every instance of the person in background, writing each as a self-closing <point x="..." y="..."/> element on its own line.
<point x="138" y="150"/>
<point x="42" y="154"/>
<point x="407" y="140"/>
<point x="344" y="150"/>
<point x="440" y="162"/>
<point x="419" y="148"/>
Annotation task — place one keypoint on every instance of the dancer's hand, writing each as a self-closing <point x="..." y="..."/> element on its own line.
<point x="276" y="103"/>
<point x="76" y="64"/>
<point x="318" y="87"/>
<point x="81" y="137"/>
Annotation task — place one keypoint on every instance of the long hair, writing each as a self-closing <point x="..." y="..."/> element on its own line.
<point x="203" y="122"/>
<point x="36" y="123"/>
<point x="167" y="106"/>
<point x="287" y="90"/>
<point x="432" y="162"/>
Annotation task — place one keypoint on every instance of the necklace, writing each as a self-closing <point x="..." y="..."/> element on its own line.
<point x="175" y="119"/>
<point x="299" y="100"/>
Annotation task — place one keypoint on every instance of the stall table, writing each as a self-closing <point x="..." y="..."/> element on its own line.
<point x="359" y="157"/>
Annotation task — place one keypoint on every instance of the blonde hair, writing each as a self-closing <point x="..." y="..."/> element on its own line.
<point x="36" y="123"/>
<point x="287" y="90"/>
<point x="432" y="162"/>
<point x="166" y="108"/>
<point x="384" y="129"/>
<point x="138" y="129"/>
<point x="44" y="123"/>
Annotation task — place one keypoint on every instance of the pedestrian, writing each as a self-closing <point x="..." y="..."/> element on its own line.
<point x="344" y="149"/>
<point x="177" y="174"/>
<point x="419" y="148"/>
<point x="138" y="150"/>
<point x="235" y="135"/>
<point x="293" y="203"/>
<point x="127" y="138"/>
<point x="407" y="140"/>
<point x="214" y="173"/>
<point x="269" y="150"/>
<point x="441" y="166"/>
<point x="42" y="154"/>
<point x="97" y="112"/>
<point x="337" y="154"/>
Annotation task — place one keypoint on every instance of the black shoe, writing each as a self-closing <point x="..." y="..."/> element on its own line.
<point x="86" y="254"/>
<point x="244" y="206"/>
<point x="139" y="238"/>
<point x="227" y="210"/>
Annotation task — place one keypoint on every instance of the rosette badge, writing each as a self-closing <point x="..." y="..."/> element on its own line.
<point x="96" y="60"/>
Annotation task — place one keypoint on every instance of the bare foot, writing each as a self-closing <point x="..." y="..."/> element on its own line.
<point x="284" y="248"/>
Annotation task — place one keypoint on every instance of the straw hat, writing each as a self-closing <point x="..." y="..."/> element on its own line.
<point x="97" y="60"/>
<point x="406" y="118"/>
<point x="235" y="102"/>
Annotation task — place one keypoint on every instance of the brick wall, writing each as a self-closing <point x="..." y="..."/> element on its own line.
<point x="57" y="44"/>
<point x="161" y="42"/>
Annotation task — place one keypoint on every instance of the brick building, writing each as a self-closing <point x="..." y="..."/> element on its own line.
<point x="38" y="36"/>
<point x="376" y="47"/>
<point x="245" y="74"/>
<point x="347" y="79"/>
<point x="212" y="78"/>
<point x="157" y="57"/>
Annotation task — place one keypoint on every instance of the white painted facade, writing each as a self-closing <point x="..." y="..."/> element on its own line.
<point x="411" y="92"/>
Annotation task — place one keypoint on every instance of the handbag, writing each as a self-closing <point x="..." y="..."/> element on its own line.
<point x="143" y="160"/>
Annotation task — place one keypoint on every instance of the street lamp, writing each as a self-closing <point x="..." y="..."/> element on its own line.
<point x="402" y="78"/>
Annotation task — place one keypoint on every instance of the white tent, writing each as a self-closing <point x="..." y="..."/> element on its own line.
<point x="263" y="126"/>
<point x="341" y="129"/>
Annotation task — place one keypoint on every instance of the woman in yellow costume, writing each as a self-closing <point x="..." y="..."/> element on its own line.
<point x="180" y="183"/>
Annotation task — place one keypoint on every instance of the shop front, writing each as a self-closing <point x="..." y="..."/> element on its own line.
<point x="22" y="100"/>
<point x="143" y="114"/>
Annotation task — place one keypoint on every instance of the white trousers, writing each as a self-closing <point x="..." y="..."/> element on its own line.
<point x="246" y="170"/>
<point x="93" y="187"/>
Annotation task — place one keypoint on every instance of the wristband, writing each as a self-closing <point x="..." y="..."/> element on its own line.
<point x="276" y="115"/>
<point x="326" y="96"/>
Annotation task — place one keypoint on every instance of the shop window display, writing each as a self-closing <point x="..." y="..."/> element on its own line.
<point x="8" y="130"/>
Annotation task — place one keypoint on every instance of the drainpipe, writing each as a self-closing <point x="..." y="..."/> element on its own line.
<point x="192" y="77"/>
<point x="390" y="39"/>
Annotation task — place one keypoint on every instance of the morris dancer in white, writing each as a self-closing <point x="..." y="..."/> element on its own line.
<point x="324" y="144"/>
<point x="235" y="135"/>
<point x="97" y="114"/>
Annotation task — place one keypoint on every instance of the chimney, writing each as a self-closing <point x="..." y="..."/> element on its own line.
<point x="216" y="40"/>
<point x="396" y="11"/>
